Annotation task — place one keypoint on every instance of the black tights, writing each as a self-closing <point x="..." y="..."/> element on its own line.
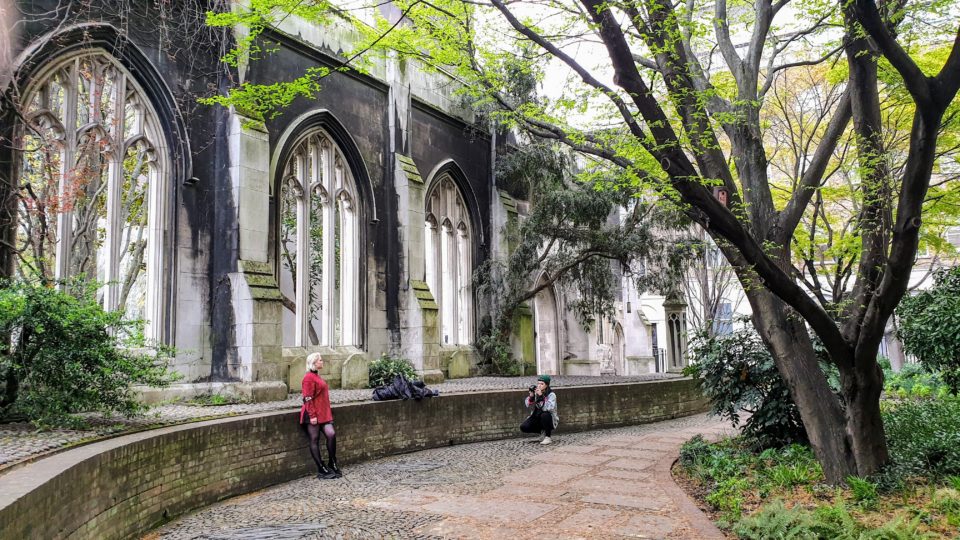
<point x="313" y="431"/>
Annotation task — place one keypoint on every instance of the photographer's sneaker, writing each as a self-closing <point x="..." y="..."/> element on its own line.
<point x="543" y="436"/>
<point x="546" y="440"/>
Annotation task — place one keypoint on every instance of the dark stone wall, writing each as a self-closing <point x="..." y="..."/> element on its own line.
<point x="437" y="138"/>
<point x="175" y="57"/>
<point x="167" y="46"/>
<point x="126" y="486"/>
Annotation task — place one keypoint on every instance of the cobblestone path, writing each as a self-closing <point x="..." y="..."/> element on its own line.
<point x="601" y="484"/>
<point x="22" y="441"/>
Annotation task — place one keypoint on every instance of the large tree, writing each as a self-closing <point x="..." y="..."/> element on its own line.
<point x="674" y="94"/>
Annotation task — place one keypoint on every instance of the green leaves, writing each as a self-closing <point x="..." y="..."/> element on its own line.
<point x="68" y="355"/>
<point x="737" y="373"/>
<point x="928" y="326"/>
<point x="384" y="369"/>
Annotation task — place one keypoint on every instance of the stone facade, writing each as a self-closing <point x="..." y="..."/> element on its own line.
<point x="271" y="238"/>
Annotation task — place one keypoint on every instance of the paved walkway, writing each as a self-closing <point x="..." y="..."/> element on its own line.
<point x="600" y="484"/>
<point x="22" y="441"/>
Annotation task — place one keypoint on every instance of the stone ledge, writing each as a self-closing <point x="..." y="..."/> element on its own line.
<point x="125" y="486"/>
<point x="256" y="392"/>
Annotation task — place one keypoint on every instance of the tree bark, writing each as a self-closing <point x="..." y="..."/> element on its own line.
<point x="786" y="336"/>
<point x="861" y="391"/>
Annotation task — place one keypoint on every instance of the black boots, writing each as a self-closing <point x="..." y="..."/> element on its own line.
<point x="325" y="473"/>
<point x="334" y="468"/>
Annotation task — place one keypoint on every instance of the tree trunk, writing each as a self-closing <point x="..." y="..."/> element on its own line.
<point x="823" y="417"/>
<point x="861" y="392"/>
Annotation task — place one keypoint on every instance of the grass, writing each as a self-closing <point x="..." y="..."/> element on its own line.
<point x="214" y="400"/>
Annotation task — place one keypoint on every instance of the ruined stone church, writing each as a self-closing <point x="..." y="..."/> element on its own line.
<point x="350" y="223"/>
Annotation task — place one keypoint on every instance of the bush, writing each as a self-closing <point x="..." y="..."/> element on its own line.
<point x="928" y="326"/>
<point x="384" y="369"/>
<point x="732" y="471"/>
<point x="67" y="355"/>
<point x="737" y="373"/>
<point x="915" y="381"/>
<point x="923" y="438"/>
<point x="777" y="521"/>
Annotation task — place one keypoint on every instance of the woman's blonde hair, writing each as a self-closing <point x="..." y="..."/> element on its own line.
<point x="312" y="359"/>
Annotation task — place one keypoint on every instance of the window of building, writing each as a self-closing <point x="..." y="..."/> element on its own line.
<point x="723" y="322"/>
<point x="319" y="246"/>
<point x="449" y="260"/>
<point x="94" y="170"/>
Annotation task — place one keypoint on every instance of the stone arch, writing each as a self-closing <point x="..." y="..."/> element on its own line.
<point x="48" y="51"/>
<point x="619" y="350"/>
<point x="450" y="255"/>
<point x="449" y="167"/>
<point x="547" y="339"/>
<point x="83" y="37"/>
<point x="322" y="119"/>
<point x="319" y="251"/>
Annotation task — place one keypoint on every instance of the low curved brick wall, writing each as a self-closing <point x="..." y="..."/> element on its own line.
<point x="126" y="486"/>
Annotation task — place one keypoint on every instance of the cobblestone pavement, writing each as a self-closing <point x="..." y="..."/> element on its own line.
<point x="601" y="484"/>
<point x="22" y="441"/>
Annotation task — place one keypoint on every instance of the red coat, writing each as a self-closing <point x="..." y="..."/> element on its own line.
<point x="316" y="399"/>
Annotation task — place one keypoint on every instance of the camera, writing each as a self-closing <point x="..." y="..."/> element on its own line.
<point x="533" y="388"/>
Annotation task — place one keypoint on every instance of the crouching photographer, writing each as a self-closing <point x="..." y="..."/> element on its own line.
<point x="544" y="417"/>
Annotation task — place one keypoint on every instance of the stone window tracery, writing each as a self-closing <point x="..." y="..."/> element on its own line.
<point x="319" y="246"/>
<point x="449" y="260"/>
<point x="94" y="170"/>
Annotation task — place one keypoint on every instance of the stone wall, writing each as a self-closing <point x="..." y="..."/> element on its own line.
<point x="126" y="486"/>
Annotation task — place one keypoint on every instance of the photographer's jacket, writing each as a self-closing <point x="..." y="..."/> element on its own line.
<point x="547" y="403"/>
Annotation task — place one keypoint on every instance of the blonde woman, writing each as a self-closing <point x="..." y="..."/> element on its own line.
<point x="316" y="416"/>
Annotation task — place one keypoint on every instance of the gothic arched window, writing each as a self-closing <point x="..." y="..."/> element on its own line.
<point x="94" y="176"/>
<point x="319" y="246"/>
<point x="449" y="260"/>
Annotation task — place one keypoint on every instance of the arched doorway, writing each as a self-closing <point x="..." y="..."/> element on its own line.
<point x="547" y="334"/>
<point x="618" y="350"/>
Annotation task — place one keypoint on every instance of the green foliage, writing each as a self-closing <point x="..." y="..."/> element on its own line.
<point x="732" y="470"/>
<point x="569" y="242"/>
<point x="924" y="440"/>
<point x="824" y="523"/>
<point x="498" y="355"/>
<point x="738" y="478"/>
<point x="915" y="382"/>
<point x="737" y="373"/>
<point x="385" y="368"/>
<point x="67" y="355"/>
<point x="928" y="326"/>
<point x="864" y="491"/>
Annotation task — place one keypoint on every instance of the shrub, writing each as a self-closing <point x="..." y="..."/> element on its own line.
<point x="777" y="521"/>
<point x="384" y="369"/>
<point x="915" y="381"/>
<point x="864" y="491"/>
<point x="737" y="373"/>
<point x="923" y="438"/>
<point x="928" y="326"/>
<point x="826" y="522"/>
<point x="66" y="355"/>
